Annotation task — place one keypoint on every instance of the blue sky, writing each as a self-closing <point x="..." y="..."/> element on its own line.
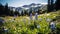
<point x="17" y="3"/>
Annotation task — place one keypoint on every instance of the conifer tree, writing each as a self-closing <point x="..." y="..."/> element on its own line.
<point x="57" y="4"/>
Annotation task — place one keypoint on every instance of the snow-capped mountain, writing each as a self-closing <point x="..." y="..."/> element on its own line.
<point x="31" y="6"/>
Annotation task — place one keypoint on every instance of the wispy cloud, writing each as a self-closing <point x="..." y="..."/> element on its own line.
<point x="17" y="3"/>
<point x="44" y="3"/>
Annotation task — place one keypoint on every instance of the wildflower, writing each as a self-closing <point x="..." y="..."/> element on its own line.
<point x="31" y="16"/>
<point x="24" y="20"/>
<point x="40" y="19"/>
<point x="36" y="16"/>
<point x="52" y="26"/>
<point x="38" y="26"/>
<point x="48" y="19"/>
<point x="5" y="29"/>
<point x="48" y="14"/>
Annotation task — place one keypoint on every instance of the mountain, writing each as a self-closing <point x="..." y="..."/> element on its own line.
<point x="18" y="9"/>
<point x="12" y="8"/>
<point x="32" y="6"/>
<point x="25" y="6"/>
<point x="43" y="7"/>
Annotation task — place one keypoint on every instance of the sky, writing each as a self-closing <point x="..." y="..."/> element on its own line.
<point x="18" y="3"/>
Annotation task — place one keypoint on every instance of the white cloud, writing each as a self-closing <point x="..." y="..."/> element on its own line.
<point x="44" y="3"/>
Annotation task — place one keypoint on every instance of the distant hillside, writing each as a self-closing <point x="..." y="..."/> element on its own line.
<point x="29" y="6"/>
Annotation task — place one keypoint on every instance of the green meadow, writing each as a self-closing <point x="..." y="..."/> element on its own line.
<point x="23" y="24"/>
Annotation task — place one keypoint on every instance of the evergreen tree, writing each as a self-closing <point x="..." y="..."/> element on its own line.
<point x="6" y="9"/>
<point x="25" y="12"/>
<point x="50" y="5"/>
<point x="57" y="5"/>
<point x="16" y="13"/>
<point x="22" y="13"/>
<point x="11" y="13"/>
<point x="1" y="9"/>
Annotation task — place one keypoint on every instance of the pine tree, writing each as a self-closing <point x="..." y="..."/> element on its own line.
<point x="1" y="9"/>
<point x="6" y="9"/>
<point x="57" y="5"/>
<point x="50" y="5"/>
<point x="22" y="13"/>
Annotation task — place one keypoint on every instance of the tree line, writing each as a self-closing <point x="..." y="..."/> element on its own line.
<point x="5" y="11"/>
<point x="53" y="6"/>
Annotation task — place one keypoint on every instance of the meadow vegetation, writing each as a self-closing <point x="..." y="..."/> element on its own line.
<point x="23" y="24"/>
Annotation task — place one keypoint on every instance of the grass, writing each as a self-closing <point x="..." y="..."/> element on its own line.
<point x="23" y="24"/>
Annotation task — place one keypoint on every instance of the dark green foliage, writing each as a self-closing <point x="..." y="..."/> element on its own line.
<point x="58" y="28"/>
<point x="25" y="12"/>
<point x="1" y="25"/>
<point x="50" y="5"/>
<point x="1" y="9"/>
<point x="22" y="13"/>
<point x="5" y="11"/>
<point x="57" y="18"/>
<point x="35" y="24"/>
<point x="57" y="5"/>
<point x="24" y="32"/>
<point x="16" y="13"/>
<point x="11" y="13"/>
<point x="31" y="27"/>
<point x="39" y="33"/>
